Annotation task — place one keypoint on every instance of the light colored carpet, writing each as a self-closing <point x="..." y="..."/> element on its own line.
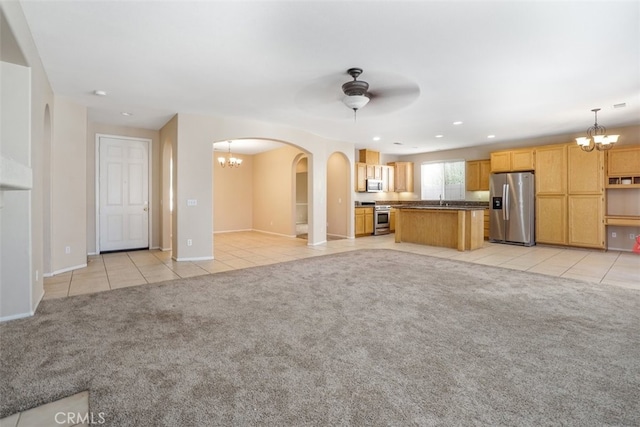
<point x="371" y="337"/>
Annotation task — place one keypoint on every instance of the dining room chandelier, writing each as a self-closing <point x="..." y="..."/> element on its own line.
<point x="597" y="137"/>
<point x="229" y="160"/>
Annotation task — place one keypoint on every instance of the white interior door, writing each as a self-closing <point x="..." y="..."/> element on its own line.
<point x="124" y="194"/>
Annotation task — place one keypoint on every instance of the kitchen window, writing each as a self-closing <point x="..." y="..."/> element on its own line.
<point x="443" y="180"/>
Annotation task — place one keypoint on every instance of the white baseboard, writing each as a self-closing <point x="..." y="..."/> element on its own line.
<point x="165" y="249"/>
<point x="204" y="258"/>
<point x="16" y="316"/>
<point x="65" y="270"/>
<point x="233" y="231"/>
<point x="93" y="253"/>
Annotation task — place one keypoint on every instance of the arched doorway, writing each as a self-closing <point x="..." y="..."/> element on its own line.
<point x="301" y="200"/>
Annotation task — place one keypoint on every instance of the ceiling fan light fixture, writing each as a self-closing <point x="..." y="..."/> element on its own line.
<point x="355" y="102"/>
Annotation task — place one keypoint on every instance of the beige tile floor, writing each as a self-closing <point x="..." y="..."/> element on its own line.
<point x="250" y="249"/>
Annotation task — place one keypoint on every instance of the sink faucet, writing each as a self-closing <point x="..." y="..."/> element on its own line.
<point x="441" y="200"/>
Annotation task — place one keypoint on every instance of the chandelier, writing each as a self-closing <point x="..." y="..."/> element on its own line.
<point x="601" y="140"/>
<point x="232" y="162"/>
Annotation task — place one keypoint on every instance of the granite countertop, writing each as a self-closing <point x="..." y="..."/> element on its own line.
<point x="438" y="207"/>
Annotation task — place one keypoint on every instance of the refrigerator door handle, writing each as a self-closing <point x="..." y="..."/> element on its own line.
<point x="505" y="197"/>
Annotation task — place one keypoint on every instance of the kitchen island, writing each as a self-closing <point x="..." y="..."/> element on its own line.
<point x="458" y="227"/>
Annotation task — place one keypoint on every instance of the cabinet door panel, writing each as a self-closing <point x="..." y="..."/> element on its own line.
<point x="522" y="160"/>
<point x="586" y="227"/>
<point x="361" y="177"/>
<point x="624" y="161"/>
<point x="551" y="170"/>
<point x="585" y="171"/>
<point x="359" y="224"/>
<point x="501" y="161"/>
<point x="473" y="176"/>
<point x="485" y="173"/>
<point x="551" y="219"/>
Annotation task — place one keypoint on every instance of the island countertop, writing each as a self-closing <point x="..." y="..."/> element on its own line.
<point x="438" y="207"/>
<point x="458" y="227"/>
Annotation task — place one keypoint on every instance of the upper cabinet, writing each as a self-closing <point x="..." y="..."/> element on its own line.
<point x="551" y="170"/>
<point x="403" y="178"/>
<point x="478" y="172"/>
<point x="513" y="160"/>
<point x="586" y="171"/>
<point x="623" y="167"/>
<point x="361" y="177"/>
<point x="369" y="157"/>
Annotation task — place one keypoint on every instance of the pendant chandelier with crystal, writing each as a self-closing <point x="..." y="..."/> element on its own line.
<point x="601" y="140"/>
<point x="230" y="160"/>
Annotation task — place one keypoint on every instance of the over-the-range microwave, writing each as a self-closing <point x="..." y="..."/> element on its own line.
<point x="374" y="185"/>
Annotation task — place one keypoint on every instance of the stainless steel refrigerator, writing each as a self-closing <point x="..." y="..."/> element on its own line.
<point x="512" y="208"/>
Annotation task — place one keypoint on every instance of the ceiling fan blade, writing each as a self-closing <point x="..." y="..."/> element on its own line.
<point x="407" y="90"/>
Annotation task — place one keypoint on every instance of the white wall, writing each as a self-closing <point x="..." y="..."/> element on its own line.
<point x="193" y="168"/>
<point x="22" y="213"/>
<point x="69" y="186"/>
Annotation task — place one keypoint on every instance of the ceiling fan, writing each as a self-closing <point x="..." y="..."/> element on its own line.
<point x="357" y="93"/>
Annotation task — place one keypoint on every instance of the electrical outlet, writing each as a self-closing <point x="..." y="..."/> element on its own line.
<point x="189" y="242"/>
<point x="67" y="250"/>
<point x="632" y="236"/>
<point x="614" y="235"/>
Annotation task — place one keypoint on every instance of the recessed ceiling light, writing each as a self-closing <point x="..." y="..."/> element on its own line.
<point x="439" y="136"/>
<point x="457" y="123"/>
<point x="397" y="143"/>
<point x="491" y="136"/>
<point x="376" y="138"/>
<point x="100" y="93"/>
<point x="124" y="113"/>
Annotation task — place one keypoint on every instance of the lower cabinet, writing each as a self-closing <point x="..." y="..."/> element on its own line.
<point x="486" y="224"/>
<point x="392" y="221"/>
<point x="551" y="219"/>
<point x="586" y="227"/>
<point x="364" y="221"/>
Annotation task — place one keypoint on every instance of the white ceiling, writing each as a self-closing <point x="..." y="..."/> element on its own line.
<point x="510" y="69"/>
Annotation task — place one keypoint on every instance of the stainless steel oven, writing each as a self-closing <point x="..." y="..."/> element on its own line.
<point x="382" y="219"/>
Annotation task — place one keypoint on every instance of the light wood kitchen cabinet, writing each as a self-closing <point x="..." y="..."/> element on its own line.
<point x="551" y="169"/>
<point x="387" y="178"/>
<point x="364" y="221"/>
<point x="486" y="224"/>
<point x="623" y="161"/>
<point x="586" y="171"/>
<point x="551" y="219"/>
<point x="392" y="220"/>
<point x="513" y="160"/>
<point x="477" y="176"/>
<point x="361" y="177"/>
<point x="586" y="225"/>
<point x="623" y="167"/>
<point x="403" y="178"/>
<point x="569" y="180"/>
<point x="374" y="171"/>
<point x="369" y="157"/>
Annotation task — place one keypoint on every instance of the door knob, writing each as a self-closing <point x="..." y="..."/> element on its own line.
<point x="146" y="208"/>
